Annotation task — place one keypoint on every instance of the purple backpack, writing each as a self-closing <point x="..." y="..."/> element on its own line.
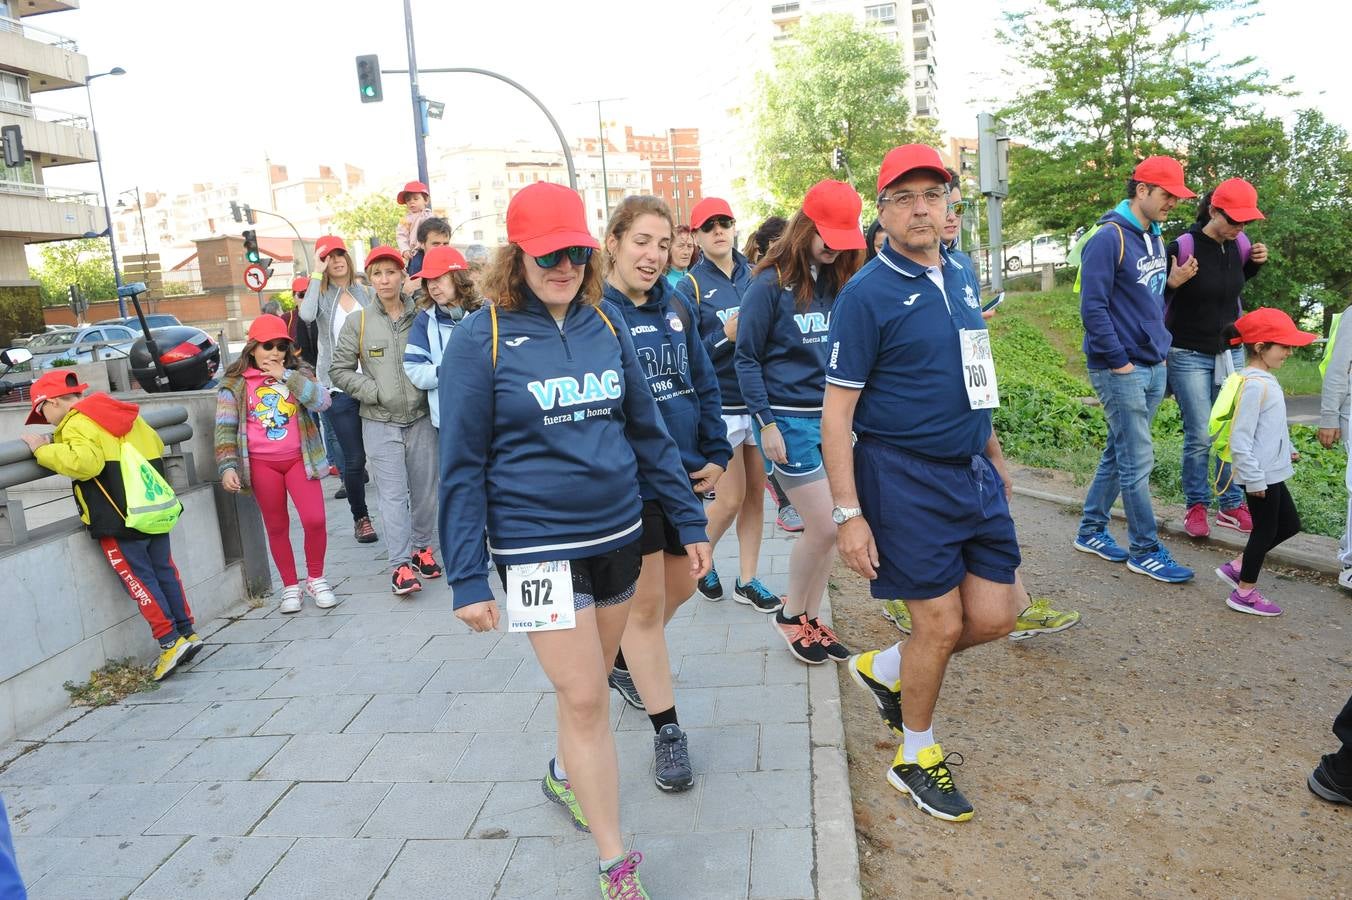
<point x="1185" y="250"/>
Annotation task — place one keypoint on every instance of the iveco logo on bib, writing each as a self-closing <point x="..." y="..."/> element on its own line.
<point x="567" y="391"/>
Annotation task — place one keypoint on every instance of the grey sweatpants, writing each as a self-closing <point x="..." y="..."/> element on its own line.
<point x="403" y="464"/>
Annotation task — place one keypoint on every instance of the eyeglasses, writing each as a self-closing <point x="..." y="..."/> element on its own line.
<point x="958" y="207"/>
<point x="1229" y="221"/>
<point x="906" y="199"/>
<point x="280" y="344"/>
<point x="717" y="222"/>
<point x="578" y="256"/>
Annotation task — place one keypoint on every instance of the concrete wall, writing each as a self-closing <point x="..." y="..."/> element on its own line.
<point x="65" y="612"/>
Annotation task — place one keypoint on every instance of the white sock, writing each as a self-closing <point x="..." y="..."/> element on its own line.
<point x="915" y="741"/>
<point x="887" y="664"/>
<point x="556" y="769"/>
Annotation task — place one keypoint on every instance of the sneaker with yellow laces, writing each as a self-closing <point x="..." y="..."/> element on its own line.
<point x="895" y="611"/>
<point x="1040" y="618"/>
<point x="887" y="697"/>
<point x="929" y="783"/>
<point x="170" y="657"/>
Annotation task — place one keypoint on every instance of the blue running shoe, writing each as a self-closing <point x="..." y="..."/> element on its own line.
<point x="710" y="586"/>
<point x="1101" y="543"/>
<point x="1159" y="565"/>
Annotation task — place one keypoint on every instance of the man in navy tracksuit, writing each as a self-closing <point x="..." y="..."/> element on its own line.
<point x="1123" y="269"/>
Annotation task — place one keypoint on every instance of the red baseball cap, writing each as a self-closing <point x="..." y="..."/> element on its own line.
<point x="299" y="285"/>
<point x="440" y="260"/>
<point x="1237" y="199"/>
<point x="268" y="327"/>
<point x="1165" y="172"/>
<point x="329" y="243"/>
<point x="384" y="252"/>
<point x="833" y="206"/>
<point x="707" y="208"/>
<point x="413" y="187"/>
<point x="1266" y="325"/>
<point x="51" y="384"/>
<point x="544" y="217"/>
<point x="908" y="158"/>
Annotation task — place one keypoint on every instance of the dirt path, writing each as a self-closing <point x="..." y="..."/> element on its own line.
<point x="1158" y="749"/>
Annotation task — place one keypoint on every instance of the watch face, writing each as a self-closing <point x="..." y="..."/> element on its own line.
<point x="838" y="516"/>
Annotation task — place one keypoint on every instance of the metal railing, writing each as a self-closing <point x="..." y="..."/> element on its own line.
<point x="44" y="113"/>
<point x="17" y="467"/>
<point x="47" y="192"/>
<point x="42" y="35"/>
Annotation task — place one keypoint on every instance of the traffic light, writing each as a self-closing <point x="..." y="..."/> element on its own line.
<point x="368" y="78"/>
<point x="234" y="211"/>
<point x="838" y="159"/>
<point x="251" y="254"/>
<point x="12" y="137"/>
<point x="249" y="214"/>
<point x="266" y="263"/>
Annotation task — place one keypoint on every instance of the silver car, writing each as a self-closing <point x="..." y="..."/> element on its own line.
<point x="83" y="345"/>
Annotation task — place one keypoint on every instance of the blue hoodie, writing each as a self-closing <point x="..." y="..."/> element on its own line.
<point x="719" y="298"/>
<point x="545" y="449"/>
<point x="681" y="377"/>
<point x="781" y="351"/>
<point x="1122" y="304"/>
<point x="427" y="342"/>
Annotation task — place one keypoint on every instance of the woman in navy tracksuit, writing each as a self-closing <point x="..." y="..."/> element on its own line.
<point x="547" y="426"/>
<point x="714" y="288"/>
<point x="683" y="383"/>
<point x="781" y="366"/>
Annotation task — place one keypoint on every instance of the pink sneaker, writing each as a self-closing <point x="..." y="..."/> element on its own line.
<point x="1255" y="604"/>
<point x="1229" y="574"/>
<point x="1237" y="518"/>
<point x="1194" y="523"/>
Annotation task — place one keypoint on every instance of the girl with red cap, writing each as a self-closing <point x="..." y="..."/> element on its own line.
<point x="1260" y="445"/>
<point x="265" y="442"/>
<point x="1209" y="265"/>
<point x="417" y="199"/>
<point x="781" y="367"/>
<point x="449" y="294"/>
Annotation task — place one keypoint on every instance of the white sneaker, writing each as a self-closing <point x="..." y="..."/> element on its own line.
<point x="1345" y="579"/>
<point x="291" y="598"/>
<point x="319" y="589"/>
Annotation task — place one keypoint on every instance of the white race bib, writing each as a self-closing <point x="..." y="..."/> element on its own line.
<point x="540" y="596"/>
<point x="978" y="368"/>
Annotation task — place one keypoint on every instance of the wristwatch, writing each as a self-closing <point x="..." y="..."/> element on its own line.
<point x="842" y="514"/>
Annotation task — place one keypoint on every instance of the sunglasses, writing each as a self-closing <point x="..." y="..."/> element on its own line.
<point x="275" y="345"/>
<point x="959" y="207"/>
<point x="717" y="222"/>
<point x="1229" y="221"/>
<point x="578" y="256"/>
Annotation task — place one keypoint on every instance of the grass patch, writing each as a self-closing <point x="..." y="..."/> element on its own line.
<point x="1300" y="373"/>
<point x="1044" y="421"/>
<point x="117" y="680"/>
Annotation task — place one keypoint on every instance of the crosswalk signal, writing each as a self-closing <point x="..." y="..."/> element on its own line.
<point x="838" y="159"/>
<point x="266" y="263"/>
<point x="368" y="78"/>
<point x="251" y="254"/>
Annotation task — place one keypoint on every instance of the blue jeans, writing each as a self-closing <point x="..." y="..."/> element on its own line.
<point x="1129" y="404"/>
<point x="1192" y="378"/>
<point x="332" y="449"/>
<point x="342" y="414"/>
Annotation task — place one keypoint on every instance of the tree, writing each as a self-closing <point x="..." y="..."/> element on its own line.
<point x="374" y="216"/>
<point x="87" y="262"/>
<point x="837" y="84"/>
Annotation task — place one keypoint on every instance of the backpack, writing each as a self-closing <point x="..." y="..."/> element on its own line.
<point x="695" y="282"/>
<point x="1074" y="256"/>
<point x="1328" y="346"/>
<point x="152" y="506"/>
<point x="493" y="315"/>
<point x="1222" y="420"/>
<point x="1186" y="244"/>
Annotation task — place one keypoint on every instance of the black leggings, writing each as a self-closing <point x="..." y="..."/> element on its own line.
<point x="1274" y="520"/>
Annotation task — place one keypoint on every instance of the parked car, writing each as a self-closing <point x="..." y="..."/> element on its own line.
<point x="154" y="320"/>
<point x="88" y="344"/>
<point x="22" y="340"/>
<point x="1043" y="249"/>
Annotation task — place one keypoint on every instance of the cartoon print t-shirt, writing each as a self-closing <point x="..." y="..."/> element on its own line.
<point x="271" y="430"/>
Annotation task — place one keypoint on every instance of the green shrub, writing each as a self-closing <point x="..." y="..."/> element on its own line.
<point x="20" y="312"/>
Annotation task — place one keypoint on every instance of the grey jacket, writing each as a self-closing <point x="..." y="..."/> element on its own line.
<point x="370" y="339"/>
<point x="1259" y="441"/>
<point x="1335" y="401"/>
<point x="317" y="306"/>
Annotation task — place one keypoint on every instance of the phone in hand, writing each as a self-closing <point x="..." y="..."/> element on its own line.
<point x="995" y="301"/>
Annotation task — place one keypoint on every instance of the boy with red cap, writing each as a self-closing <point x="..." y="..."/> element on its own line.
<point x="1123" y="270"/>
<point x="418" y="199"/>
<point x="86" y="448"/>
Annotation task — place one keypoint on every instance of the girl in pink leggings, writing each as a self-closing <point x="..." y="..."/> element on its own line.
<point x="268" y="439"/>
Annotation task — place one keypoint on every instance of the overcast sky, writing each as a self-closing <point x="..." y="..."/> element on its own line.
<point x="210" y="88"/>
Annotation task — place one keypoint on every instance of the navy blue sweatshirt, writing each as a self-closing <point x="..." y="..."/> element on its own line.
<point x="1122" y="304"/>
<point x="718" y="300"/>
<point x="680" y="375"/>
<point x="781" y="351"/>
<point x="545" y="449"/>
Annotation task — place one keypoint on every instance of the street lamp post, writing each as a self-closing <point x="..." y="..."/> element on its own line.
<point x="140" y="214"/>
<point x="103" y="187"/>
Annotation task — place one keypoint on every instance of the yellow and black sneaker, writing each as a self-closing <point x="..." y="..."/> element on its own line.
<point x="886" y="696"/>
<point x="930" y="784"/>
<point x="170" y="657"/>
<point x="195" y="646"/>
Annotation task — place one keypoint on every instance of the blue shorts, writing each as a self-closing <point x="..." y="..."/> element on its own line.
<point x="803" y="447"/>
<point x="933" y="521"/>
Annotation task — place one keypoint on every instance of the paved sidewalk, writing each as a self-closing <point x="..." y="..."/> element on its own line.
<point x="380" y="749"/>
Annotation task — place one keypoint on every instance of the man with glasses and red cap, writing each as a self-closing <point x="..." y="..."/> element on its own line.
<point x="922" y="497"/>
<point x="1123" y="270"/>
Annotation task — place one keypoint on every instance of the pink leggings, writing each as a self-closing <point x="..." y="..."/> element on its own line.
<point x="272" y="480"/>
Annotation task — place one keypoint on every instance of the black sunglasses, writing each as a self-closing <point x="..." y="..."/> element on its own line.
<point x="578" y="256"/>
<point x="717" y="222"/>
<point x="279" y="344"/>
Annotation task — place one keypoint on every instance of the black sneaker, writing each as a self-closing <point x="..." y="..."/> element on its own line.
<point x="755" y="594"/>
<point x="426" y="563"/>
<point x="622" y="681"/>
<point x="1325" y="782"/>
<point x="340" y="494"/>
<point x="710" y="586"/>
<point x="888" y="700"/>
<point x="404" y="581"/>
<point x="835" y="650"/>
<point x="364" y="531"/>
<point x="930" y="784"/>
<point x="672" y="771"/>
<point x="804" y="641"/>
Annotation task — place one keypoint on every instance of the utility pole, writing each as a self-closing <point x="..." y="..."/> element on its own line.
<point x="601" y="136"/>
<point x="419" y="133"/>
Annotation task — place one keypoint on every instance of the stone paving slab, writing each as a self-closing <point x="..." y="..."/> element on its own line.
<point x="379" y="749"/>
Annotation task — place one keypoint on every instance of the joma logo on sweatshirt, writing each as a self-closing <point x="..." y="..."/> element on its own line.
<point x="567" y="391"/>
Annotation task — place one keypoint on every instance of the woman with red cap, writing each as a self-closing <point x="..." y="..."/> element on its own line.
<point x="333" y="295"/>
<point x="1209" y="265"/>
<point x="265" y="442"/>
<point x="400" y="442"/>
<point x="450" y="294"/>
<point x="548" y="427"/>
<point x="781" y="367"/>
